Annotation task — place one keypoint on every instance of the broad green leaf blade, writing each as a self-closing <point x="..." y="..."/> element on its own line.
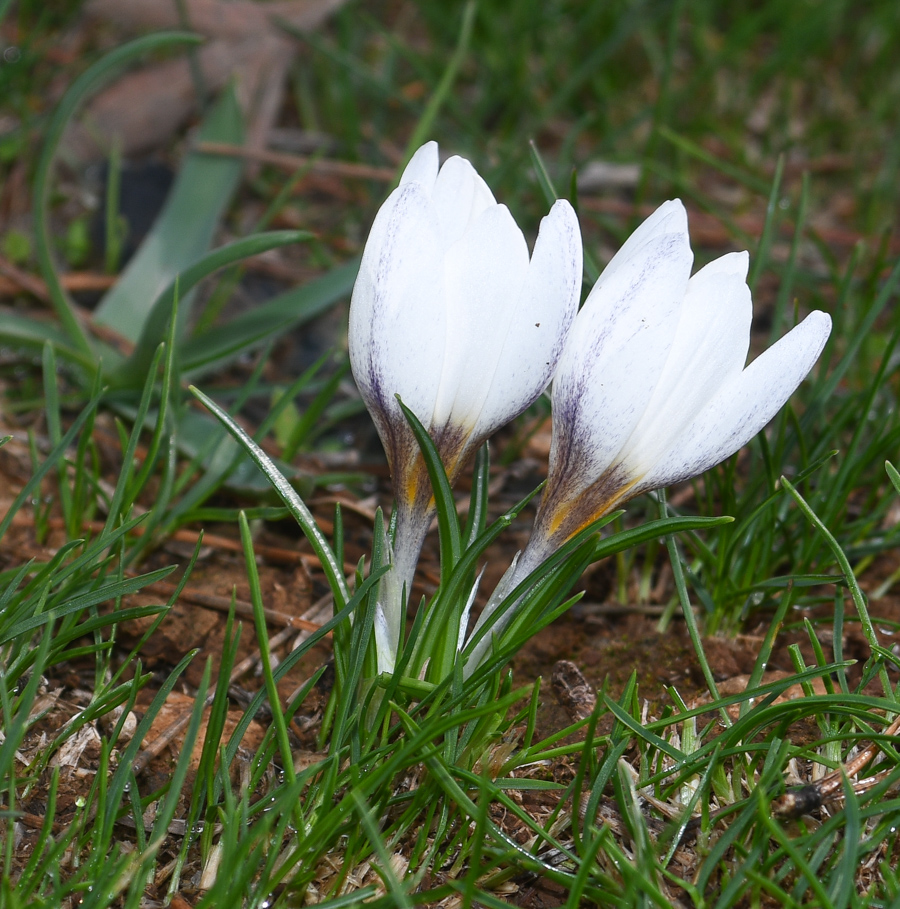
<point x="82" y="88"/>
<point x="263" y="323"/>
<point x="27" y="333"/>
<point x="22" y="332"/>
<point x="159" y="315"/>
<point x="184" y="229"/>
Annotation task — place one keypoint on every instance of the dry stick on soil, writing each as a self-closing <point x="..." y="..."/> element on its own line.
<point x="75" y="282"/>
<point x="802" y="800"/>
<point x="294" y="163"/>
<point x="275" y="554"/>
<point x="22" y="280"/>
<point x="224" y="604"/>
<point x="17" y="280"/>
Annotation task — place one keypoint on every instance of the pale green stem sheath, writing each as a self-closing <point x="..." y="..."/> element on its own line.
<point x="541" y="546"/>
<point x="516" y="573"/>
<point x="396" y="586"/>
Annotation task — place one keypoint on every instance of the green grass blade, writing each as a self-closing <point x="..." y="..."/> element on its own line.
<point x="859" y="598"/>
<point x="425" y="125"/>
<point x="448" y="522"/>
<point x="281" y="731"/>
<point x="333" y="570"/>
<point x="52" y="460"/>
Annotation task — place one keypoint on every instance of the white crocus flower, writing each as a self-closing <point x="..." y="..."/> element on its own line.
<point x="651" y="388"/>
<point x="449" y="313"/>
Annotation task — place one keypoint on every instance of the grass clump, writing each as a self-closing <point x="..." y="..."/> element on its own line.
<point x="344" y="785"/>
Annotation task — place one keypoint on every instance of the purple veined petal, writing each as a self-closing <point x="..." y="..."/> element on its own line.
<point x="669" y="218"/>
<point x="483" y="279"/>
<point x="744" y="405"/>
<point x="708" y="351"/>
<point x="614" y="356"/>
<point x="397" y="311"/>
<point x="543" y="317"/>
<point x="422" y="167"/>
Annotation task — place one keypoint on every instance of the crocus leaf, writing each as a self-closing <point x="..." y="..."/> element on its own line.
<point x="226" y="459"/>
<point x="92" y="598"/>
<point x="23" y="332"/>
<point x="159" y="314"/>
<point x="303" y="516"/>
<point x="184" y="229"/>
<point x="652" y="530"/>
<point x="83" y="87"/>
<point x="254" y="328"/>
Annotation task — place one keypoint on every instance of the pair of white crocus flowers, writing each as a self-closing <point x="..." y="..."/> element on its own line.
<point x="648" y="379"/>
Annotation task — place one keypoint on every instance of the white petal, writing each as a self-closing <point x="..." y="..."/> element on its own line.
<point x="744" y="405"/>
<point x="460" y="195"/>
<point x="616" y="352"/>
<point x="482" y="198"/>
<point x="542" y="319"/>
<point x="709" y="350"/>
<point x="736" y="264"/>
<point x="422" y="167"/>
<point x="397" y="321"/>
<point x="484" y="275"/>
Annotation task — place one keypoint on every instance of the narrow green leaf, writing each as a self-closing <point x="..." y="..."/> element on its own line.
<point x="448" y="522"/>
<point x="256" y="598"/>
<point x="425" y="125"/>
<point x="893" y="475"/>
<point x="94" y="598"/>
<point x="52" y="459"/>
<point x="859" y="598"/>
<point x="652" y="530"/>
<point x="20" y="331"/>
